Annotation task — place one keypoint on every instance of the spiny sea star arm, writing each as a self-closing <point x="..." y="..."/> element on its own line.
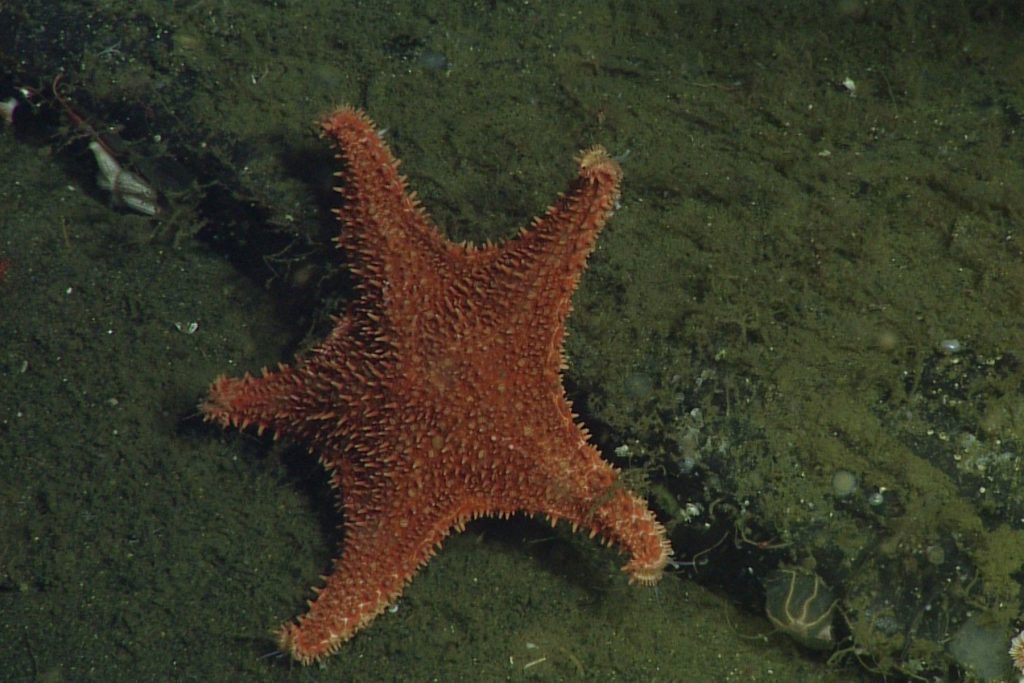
<point x="388" y="237"/>
<point x="617" y="517"/>
<point x="382" y="550"/>
<point x="254" y="401"/>
<point x="545" y="261"/>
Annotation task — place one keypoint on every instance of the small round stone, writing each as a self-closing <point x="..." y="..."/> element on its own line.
<point x="844" y="483"/>
<point x="950" y="346"/>
<point x="935" y="554"/>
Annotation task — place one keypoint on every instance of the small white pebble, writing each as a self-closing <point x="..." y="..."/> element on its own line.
<point x="950" y="346"/>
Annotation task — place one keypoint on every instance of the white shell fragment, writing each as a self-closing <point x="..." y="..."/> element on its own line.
<point x="126" y="188"/>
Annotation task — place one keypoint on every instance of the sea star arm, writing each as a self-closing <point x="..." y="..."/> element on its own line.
<point x="307" y="401"/>
<point x="386" y="542"/>
<point x="543" y="264"/>
<point x="391" y="243"/>
<point x="250" y="400"/>
<point x="625" y="520"/>
<point x="587" y="492"/>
